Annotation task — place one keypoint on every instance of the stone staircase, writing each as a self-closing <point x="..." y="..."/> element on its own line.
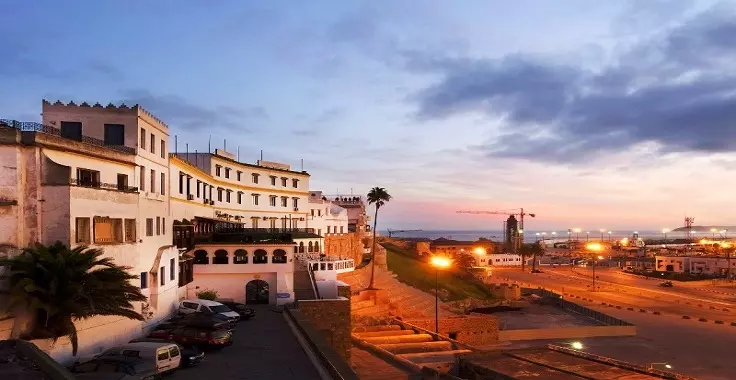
<point x="303" y="289"/>
<point x="413" y="348"/>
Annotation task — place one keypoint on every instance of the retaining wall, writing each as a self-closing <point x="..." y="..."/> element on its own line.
<point x="566" y="332"/>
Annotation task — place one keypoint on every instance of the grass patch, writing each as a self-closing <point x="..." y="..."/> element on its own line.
<point x="422" y="276"/>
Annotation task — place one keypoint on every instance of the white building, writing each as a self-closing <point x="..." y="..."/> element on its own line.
<point x="325" y="216"/>
<point x="711" y="265"/>
<point x="498" y="260"/>
<point x="96" y="176"/>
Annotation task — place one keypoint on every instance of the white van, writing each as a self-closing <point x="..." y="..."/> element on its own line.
<point x="207" y="307"/>
<point x="166" y="355"/>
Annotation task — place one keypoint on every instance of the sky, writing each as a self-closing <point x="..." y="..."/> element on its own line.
<point x="615" y="114"/>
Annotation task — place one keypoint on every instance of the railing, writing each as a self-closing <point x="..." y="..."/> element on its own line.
<point x="582" y="310"/>
<point x="314" y="283"/>
<point x="237" y="230"/>
<point x="100" y="185"/>
<point x="330" y="264"/>
<point x="30" y="126"/>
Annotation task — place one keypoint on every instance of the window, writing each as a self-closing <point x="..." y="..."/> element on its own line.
<point x="143" y="138"/>
<point x="254" y="177"/>
<point x="163" y="149"/>
<point x="129" y="230"/>
<point x="172" y="274"/>
<point x="82" y="232"/>
<point x="272" y="223"/>
<point x="89" y="178"/>
<point x="199" y="183"/>
<point x="143" y="179"/>
<point x="240" y="197"/>
<point x="227" y="172"/>
<point x="220" y="257"/>
<point x="310" y="247"/>
<point x="200" y="257"/>
<point x="158" y="225"/>
<point x="153" y="181"/>
<point x="285" y="203"/>
<point x="319" y="212"/>
<point x="227" y="196"/>
<point x="173" y="352"/>
<point x="273" y="180"/>
<point x="296" y="202"/>
<point x="114" y="134"/>
<point x="153" y="143"/>
<point x="272" y="200"/>
<point x="218" y="168"/>
<point x="107" y="230"/>
<point x="294" y="183"/>
<point x="255" y="199"/>
<point x="163" y="226"/>
<point x="71" y="130"/>
<point x="162" y="275"/>
<point x="279" y="257"/>
<point x="239" y="174"/>
<point x="241" y="257"/>
<point x="122" y="182"/>
<point x="144" y="280"/>
<point x="328" y="229"/>
<point x="149" y="226"/>
<point x="219" y="194"/>
<point x="341" y="229"/>
<point x="283" y="181"/>
<point x="301" y="247"/>
<point x="260" y="257"/>
<point x="313" y="213"/>
<point x="254" y="222"/>
<point x="163" y="183"/>
<point x="181" y="183"/>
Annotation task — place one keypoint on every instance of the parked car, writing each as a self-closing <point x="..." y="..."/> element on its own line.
<point x="244" y="311"/>
<point x="190" y="355"/>
<point x="197" y="336"/>
<point x="207" y="307"/>
<point x="130" y="368"/>
<point x="666" y="284"/>
<point x="166" y="356"/>
<point x="197" y="320"/>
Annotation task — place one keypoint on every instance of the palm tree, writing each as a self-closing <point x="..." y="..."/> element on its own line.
<point x="55" y="286"/>
<point x="378" y="196"/>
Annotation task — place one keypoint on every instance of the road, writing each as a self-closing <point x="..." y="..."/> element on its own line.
<point x="692" y="347"/>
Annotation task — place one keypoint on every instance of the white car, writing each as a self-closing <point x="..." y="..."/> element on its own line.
<point x="207" y="307"/>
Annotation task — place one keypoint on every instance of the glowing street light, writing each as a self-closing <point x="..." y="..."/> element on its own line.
<point x="602" y="230"/>
<point x="609" y="235"/>
<point x="713" y="232"/>
<point x="577" y="345"/>
<point x="665" y="231"/>
<point x="665" y="365"/>
<point x="438" y="262"/>
<point x="594" y="248"/>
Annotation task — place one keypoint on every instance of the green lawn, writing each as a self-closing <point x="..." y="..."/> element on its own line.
<point x="422" y="276"/>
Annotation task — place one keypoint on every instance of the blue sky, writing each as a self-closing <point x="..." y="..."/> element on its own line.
<point x="615" y="114"/>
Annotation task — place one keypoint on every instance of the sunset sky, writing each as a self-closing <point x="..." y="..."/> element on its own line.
<point x="616" y="114"/>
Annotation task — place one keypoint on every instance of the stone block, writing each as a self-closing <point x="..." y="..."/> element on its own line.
<point x="332" y="318"/>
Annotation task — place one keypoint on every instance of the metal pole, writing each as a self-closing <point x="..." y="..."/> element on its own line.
<point x="594" y="261"/>
<point x="436" y="301"/>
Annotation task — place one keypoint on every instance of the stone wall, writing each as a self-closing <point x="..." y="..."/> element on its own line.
<point x="472" y="330"/>
<point x="346" y="245"/>
<point x="506" y="291"/>
<point x="332" y="319"/>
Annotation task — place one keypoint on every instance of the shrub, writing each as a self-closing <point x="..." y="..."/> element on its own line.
<point x="207" y="294"/>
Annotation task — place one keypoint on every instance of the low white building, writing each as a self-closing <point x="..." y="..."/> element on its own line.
<point x="498" y="260"/>
<point x="711" y="265"/>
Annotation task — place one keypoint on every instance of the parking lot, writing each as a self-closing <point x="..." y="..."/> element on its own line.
<point x="263" y="348"/>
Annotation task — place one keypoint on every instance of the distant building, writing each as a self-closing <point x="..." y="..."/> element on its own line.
<point x="710" y="265"/>
<point x="498" y="260"/>
<point x="451" y="248"/>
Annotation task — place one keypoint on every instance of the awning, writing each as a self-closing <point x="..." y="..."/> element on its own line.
<point x="215" y="220"/>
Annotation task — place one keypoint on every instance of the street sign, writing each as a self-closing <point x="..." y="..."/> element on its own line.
<point x="283" y="295"/>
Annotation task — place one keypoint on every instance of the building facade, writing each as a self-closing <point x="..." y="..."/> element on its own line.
<point x="709" y="265"/>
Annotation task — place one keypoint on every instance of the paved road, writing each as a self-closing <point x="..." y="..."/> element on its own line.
<point x="691" y="347"/>
<point x="263" y="348"/>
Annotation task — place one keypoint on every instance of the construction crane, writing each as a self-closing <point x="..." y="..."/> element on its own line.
<point x="391" y="232"/>
<point x="511" y="212"/>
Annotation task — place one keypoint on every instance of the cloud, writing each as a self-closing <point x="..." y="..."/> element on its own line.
<point x="674" y="91"/>
<point x="188" y="116"/>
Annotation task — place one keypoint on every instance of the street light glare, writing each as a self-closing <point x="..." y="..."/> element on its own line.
<point x="577" y="345"/>
<point x="440" y="262"/>
<point x="595" y="247"/>
<point x="667" y="366"/>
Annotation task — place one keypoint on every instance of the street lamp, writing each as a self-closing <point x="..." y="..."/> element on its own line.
<point x="438" y="262"/>
<point x="594" y="248"/>
<point x="609" y="235"/>
<point x="602" y="230"/>
<point x="577" y="345"/>
<point x="665" y="365"/>
<point x="665" y="231"/>
<point x="577" y="233"/>
<point x="713" y="232"/>
<point x="587" y="235"/>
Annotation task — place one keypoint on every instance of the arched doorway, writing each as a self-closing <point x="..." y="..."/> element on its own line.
<point x="256" y="292"/>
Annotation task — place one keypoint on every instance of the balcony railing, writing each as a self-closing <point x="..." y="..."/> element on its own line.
<point x="30" y="126"/>
<point x="101" y="185"/>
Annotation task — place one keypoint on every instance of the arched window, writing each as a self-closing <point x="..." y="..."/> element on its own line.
<point x="316" y="246"/>
<point x="240" y="257"/>
<point x="279" y="257"/>
<point x="301" y="247"/>
<point x="220" y="257"/>
<point x="200" y="257"/>
<point x="310" y="247"/>
<point x="260" y="257"/>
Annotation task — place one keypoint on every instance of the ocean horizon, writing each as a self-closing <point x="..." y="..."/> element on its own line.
<point x="531" y="236"/>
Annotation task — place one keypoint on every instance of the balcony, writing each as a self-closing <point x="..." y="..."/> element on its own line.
<point x="100" y="185"/>
<point x="29" y="126"/>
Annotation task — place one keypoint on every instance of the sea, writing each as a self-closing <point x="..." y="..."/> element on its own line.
<point x="531" y="236"/>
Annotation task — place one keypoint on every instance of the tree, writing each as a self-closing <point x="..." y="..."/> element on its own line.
<point x="54" y="286"/>
<point x="532" y="249"/>
<point x="378" y="196"/>
<point x="207" y="294"/>
<point x="464" y="261"/>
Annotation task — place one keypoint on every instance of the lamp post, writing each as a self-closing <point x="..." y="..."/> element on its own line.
<point x="713" y="233"/>
<point x="609" y="235"/>
<point x="438" y="262"/>
<point x="587" y="236"/>
<point x="577" y="233"/>
<point x="602" y="230"/>
<point x="594" y="248"/>
<point x="665" y="231"/>
<point x="665" y="365"/>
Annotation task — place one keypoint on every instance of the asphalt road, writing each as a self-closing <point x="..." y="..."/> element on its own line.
<point x="692" y="347"/>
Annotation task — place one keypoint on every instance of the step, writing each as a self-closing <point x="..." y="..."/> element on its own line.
<point x="429" y="357"/>
<point x="377" y="328"/>
<point x="361" y="304"/>
<point x="416" y="338"/>
<point x="383" y="333"/>
<point x="410" y="348"/>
